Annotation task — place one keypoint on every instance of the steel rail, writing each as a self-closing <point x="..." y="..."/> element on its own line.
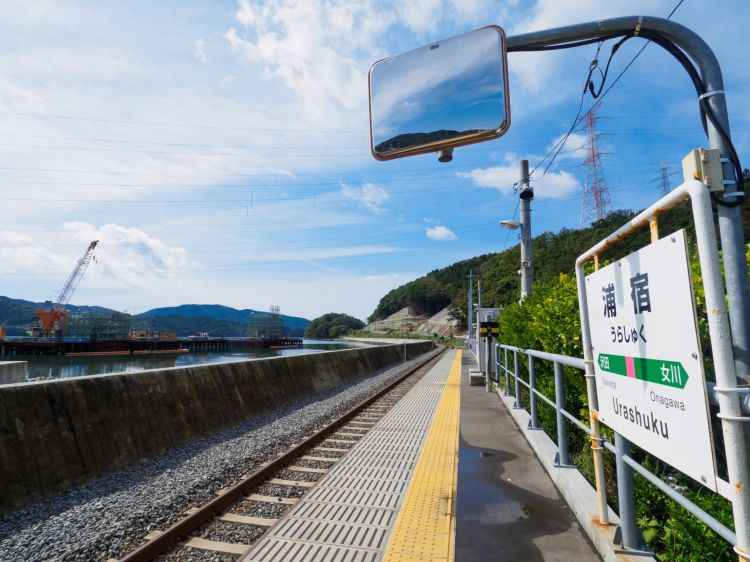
<point x="169" y="538"/>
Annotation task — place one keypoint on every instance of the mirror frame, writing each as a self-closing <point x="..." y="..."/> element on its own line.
<point x="449" y="144"/>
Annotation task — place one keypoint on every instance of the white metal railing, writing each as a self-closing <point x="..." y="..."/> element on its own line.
<point x="562" y="460"/>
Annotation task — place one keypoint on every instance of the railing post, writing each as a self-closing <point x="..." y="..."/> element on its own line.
<point x="517" y="390"/>
<point x="534" y="421"/>
<point x="505" y="371"/>
<point x="563" y="456"/>
<point x="496" y="380"/>
<point x="496" y="359"/>
<point x="491" y="365"/>
<point x="506" y="390"/>
<point x="628" y="534"/>
<point x="515" y="372"/>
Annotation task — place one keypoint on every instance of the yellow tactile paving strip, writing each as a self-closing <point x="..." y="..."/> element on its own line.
<point x="425" y="528"/>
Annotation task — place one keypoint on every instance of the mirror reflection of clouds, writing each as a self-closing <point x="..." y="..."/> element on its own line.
<point x="454" y="87"/>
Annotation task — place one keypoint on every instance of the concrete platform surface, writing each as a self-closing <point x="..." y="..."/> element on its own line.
<point x="507" y="506"/>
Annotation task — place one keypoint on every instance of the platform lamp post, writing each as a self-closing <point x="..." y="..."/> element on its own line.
<point x="525" y="194"/>
<point x="471" y="306"/>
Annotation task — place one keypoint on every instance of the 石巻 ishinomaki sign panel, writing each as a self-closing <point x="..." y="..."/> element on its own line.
<point x="647" y="358"/>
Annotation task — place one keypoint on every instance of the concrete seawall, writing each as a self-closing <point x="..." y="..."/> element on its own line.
<point x="12" y="372"/>
<point x="59" y="434"/>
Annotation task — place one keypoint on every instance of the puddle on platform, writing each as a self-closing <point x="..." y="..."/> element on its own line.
<point x="480" y="490"/>
<point x="500" y="518"/>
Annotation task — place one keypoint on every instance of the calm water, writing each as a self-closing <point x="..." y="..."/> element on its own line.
<point x="58" y="367"/>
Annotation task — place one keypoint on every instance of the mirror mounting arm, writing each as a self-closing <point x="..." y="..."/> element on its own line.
<point x="693" y="45"/>
<point x="445" y="155"/>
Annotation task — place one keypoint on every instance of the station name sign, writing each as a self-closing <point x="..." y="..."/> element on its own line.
<point x="647" y="359"/>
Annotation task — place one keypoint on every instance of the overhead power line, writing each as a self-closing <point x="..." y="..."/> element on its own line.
<point x="181" y="125"/>
<point x="587" y="88"/>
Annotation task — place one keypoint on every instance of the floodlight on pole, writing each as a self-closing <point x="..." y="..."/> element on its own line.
<point x="509" y="224"/>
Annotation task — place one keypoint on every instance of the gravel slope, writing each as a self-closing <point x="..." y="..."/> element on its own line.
<point x="107" y="517"/>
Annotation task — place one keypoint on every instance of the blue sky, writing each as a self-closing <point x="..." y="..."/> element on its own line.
<point x="219" y="150"/>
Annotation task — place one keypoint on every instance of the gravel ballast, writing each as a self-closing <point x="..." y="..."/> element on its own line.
<point x="108" y="517"/>
<point x="261" y="509"/>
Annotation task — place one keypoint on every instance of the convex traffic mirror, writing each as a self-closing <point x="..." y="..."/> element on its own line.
<point x="440" y="96"/>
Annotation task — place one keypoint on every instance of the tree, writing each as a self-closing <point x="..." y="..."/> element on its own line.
<point x="457" y="310"/>
<point x="333" y="325"/>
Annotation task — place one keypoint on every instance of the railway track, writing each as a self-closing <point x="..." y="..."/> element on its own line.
<point x="228" y="526"/>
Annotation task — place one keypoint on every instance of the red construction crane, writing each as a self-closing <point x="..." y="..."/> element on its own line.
<point x="52" y="321"/>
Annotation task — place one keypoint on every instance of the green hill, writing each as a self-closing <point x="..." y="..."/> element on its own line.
<point x="553" y="253"/>
<point x="332" y="325"/>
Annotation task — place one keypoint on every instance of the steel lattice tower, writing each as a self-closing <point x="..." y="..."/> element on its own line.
<point x="665" y="173"/>
<point x="596" y="199"/>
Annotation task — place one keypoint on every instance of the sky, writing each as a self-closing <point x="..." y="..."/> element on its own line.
<point x="220" y="153"/>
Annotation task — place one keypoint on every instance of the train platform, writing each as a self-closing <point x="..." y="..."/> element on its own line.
<point x="445" y="475"/>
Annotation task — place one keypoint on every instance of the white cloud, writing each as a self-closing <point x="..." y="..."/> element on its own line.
<point x="125" y="257"/>
<point x="554" y="185"/>
<point x="573" y="149"/>
<point x="421" y="16"/>
<point x="199" y="53"/>
<point x="370" y="195"/>
<point x="129" y="255"/>
<point x="20" y="253"/>
<point x="440" y="233"/>
<point x="314" y="49"/>
<point x="472" y="11"/>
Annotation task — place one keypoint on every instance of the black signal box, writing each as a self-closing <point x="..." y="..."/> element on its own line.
<point x="488" y="330"/>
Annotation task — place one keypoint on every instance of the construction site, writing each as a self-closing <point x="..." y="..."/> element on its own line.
<point x="58" y="330"/>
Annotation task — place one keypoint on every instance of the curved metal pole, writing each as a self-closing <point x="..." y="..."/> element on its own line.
<point x="730" y="218"/>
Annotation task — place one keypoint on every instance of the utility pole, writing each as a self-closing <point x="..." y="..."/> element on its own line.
<point x="471" y="303"/>
<point x="526" y="194"/>
<point x="479" y="291"/>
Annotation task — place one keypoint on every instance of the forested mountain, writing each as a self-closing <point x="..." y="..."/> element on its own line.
<point x="17" y="316"/>
<point x="219" y="312"/>
<point x="553" y="253"/>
